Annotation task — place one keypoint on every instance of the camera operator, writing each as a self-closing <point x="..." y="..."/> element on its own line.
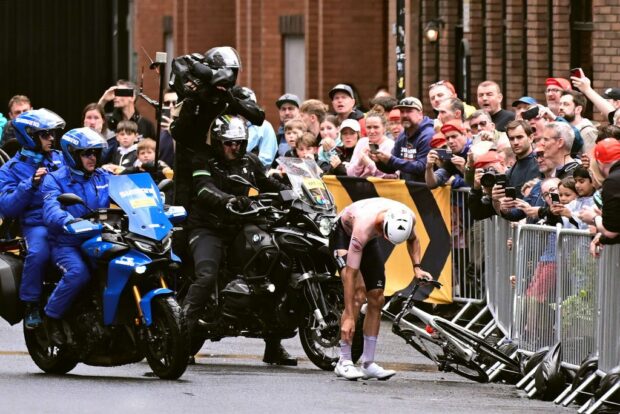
<point x="451" y="164"/>
<point x="211" y="226"/>
<point x="486" y="166"/>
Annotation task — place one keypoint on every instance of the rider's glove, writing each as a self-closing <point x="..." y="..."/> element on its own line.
<point x="241" y="203"/>
<point x="75" y="220"/>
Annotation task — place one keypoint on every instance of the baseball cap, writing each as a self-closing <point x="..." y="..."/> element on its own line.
<point x="394" y="115"/>
<point x="487" y="158"/>
<point x="288" y="98"/>
<point x="341" y="87"/>
<point x="453" y="125"/>
<point x="607" y="150"/>
<point x="559" y="82"/>
<point x="409" y="102"/>
<point x="526" y="100"/>
<point x="350" y="123"/>
<point x="439" y="140"/>
<point x="612" y="93"/>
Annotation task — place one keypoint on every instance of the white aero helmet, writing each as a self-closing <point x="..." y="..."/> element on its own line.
<point x="397" y="224"/>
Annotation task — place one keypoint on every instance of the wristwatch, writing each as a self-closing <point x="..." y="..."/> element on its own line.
<point x="416" y="265"/>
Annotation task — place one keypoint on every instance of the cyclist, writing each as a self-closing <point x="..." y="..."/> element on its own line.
<point x="355" y="243"/>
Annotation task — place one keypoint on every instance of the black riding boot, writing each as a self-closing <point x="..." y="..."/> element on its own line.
<point x="276" y="354"/>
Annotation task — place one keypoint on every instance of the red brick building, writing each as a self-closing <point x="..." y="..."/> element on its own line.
<point x="306" y="47"/>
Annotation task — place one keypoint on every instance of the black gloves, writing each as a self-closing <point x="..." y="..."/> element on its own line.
<point x="241" y="203"/>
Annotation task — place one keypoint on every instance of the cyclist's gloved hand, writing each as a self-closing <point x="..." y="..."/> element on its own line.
<point x="241" y="203"/>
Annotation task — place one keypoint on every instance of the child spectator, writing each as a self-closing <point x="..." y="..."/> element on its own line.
<point x="293" y="129"/>
<point x="146" y="162"/>
<point x="330" y="139"/>
<point x="306" y="146"/>
<point x="581" y="183"/>
<point x="126" y="154"/>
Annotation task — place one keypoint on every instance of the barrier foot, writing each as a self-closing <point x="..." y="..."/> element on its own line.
<point x="461" y="312"/>
<point x="603" y="398"/>
<point x="527" y="377"/>
<point x="529" y="386"/>
<point x="486" y="331"/>
<point x="580" y="388"/>
<point x="477" y="317"/>
<point x="562" y="395"/>
<point x="498" y="367"/>
<point x="531" y="393"/>
<point x="584" y="407"/>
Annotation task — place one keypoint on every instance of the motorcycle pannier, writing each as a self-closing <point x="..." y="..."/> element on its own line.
<point x="10" y="278"/>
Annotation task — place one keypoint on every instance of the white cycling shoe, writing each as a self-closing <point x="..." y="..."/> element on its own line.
<point x="375" y="371"/>
<point x="346" y="369"/>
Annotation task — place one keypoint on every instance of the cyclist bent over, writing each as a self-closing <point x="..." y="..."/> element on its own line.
<point x="356" y="246"/>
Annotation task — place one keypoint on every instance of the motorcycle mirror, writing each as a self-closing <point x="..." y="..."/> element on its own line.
<point x="165" y="184"/>
<point x="239" y="179"/>
<point x="68" y="199"/>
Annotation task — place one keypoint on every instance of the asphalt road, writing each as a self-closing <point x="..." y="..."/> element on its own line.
<point x="229" y="376"/>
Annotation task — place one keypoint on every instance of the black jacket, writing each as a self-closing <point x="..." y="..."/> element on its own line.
<point x="212" y="189"/>
<point x="190" y="132"/>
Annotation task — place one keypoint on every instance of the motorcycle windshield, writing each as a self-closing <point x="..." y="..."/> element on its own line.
<point x="138" y="196"/>
<point x="305" y="177"/>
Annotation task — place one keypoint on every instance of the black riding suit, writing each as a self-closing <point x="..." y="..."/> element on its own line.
<point x="209" y="224"/>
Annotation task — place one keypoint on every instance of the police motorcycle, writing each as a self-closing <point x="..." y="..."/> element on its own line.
<point x="278" y="275"/>
<point x="127" y="312"/>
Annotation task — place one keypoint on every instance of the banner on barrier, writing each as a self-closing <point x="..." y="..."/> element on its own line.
<point x="432" y="211"/>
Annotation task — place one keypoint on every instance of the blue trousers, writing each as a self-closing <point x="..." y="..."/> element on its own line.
<point x="35" y="264"/>
<point x="75" y="276"/>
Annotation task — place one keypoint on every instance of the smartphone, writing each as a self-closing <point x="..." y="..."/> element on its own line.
<point x="500" y="179"/>
<point x="123" y="92"/>
<point x="373" y="148"/>
<point x="530" y="113"/>
<point x="444" y="154"/>
<point x="165" y="112"/>
<point x="511" y="192"/>
<point x="555" y="198"/>
<point x="577" y="73"/>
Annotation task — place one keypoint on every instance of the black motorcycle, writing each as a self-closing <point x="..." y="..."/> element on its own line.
<point x="278" y="274"/>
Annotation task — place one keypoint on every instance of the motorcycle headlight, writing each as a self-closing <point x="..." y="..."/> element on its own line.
<point x="145" y="247"/>
<point x="325" y="226"/>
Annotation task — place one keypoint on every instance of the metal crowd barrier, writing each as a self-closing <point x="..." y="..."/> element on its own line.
<point x="467" y="252"/>
<point x="535" y="318"/>
<point x="577" y="289"/>
<point x="499" y="263"/>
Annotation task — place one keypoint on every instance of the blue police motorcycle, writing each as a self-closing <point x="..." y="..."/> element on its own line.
<point x="127" y="312"/>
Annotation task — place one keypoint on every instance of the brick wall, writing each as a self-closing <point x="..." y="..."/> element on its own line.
<point x="606" y="46"/>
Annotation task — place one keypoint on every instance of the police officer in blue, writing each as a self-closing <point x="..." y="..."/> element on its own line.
<point x="21" y="198"/>
<point x="82" y="149"/>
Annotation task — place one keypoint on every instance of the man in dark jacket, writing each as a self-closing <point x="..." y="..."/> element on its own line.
<point x="212" y="227"/>
<point x="412" y="145"/>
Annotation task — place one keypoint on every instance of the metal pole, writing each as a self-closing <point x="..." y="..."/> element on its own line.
<point x="160" y="61"/>
<point x="400" y="49"/>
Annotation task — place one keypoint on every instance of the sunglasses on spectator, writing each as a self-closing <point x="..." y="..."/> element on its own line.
<point x="170" y="103"/>
<point x="441" y="82"/>
<point x="89" y="153"/>
<point x="480" y="124"/>
<point x="46" y="134"/>
<point x="231" y="143"/>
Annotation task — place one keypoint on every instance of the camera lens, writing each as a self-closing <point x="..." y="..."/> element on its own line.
<point x="488" y="179"/>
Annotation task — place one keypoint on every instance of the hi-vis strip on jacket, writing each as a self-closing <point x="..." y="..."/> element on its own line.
<point x="432" y="211"/>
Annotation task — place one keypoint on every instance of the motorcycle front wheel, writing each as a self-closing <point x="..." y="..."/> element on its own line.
<point x="322" y="346"/>
<point x="49" y="358"/>
<point x="167" y="345"/>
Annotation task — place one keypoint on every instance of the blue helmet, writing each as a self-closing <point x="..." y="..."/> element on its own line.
<point x="78" y="140"/>
<point x="28" y="124"/>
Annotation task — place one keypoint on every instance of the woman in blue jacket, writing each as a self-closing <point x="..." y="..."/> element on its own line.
<point x="21" y="198"/>
<point x="82" y="149"/>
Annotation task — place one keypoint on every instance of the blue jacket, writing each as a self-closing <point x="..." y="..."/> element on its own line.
<point x="409" y="153"/>
<point x="263" y="138"/>
<point x="93" y="190"/>
<point x="18" y="197"/>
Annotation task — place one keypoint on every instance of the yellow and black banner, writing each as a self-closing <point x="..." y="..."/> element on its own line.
<point x="432" y="211"/>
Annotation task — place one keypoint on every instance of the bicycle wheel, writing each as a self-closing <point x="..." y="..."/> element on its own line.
<point x="466" y="369"/>
<point x="476" y="343"/>
<point x="415" y="341"/>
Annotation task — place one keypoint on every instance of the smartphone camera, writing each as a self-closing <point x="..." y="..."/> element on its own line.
<point x="530" y="113"/>
<point x="577" y="73"/>
<point x="125" y="92"/>
<point x="555" y="198"/>
<point x="165" y="112"/>
<point x="511" y="192"/>
<point x="373" y="148"/>
<point x="444" y="154"/>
